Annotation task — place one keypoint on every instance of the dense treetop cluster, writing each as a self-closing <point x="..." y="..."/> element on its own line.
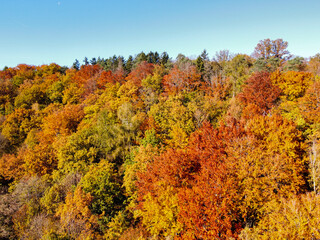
<point x="154" y="148"/>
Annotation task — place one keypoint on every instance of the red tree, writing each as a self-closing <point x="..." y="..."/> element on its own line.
<point x="140" y="72"/>
<point x="178" y="80"/>
<point x="260" y="92"/>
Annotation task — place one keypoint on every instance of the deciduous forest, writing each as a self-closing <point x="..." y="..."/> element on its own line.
<point x="151" y="147"/>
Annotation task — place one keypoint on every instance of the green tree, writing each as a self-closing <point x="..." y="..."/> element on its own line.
<point x="129" y="64"/>
<point x="103" y="184"/>
<point x="141" y="57"/>
<point x="86" y="62"/>
<point x="164" y="58"/>
<point x="76" y="65"/>
<point x="239" y="69"/>
<point x="296" y="64"/>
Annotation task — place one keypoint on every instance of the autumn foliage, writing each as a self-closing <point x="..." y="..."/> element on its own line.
<point x="154" y="148"/>
<point x="260" y="91"/>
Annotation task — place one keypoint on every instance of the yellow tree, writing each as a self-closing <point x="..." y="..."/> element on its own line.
<point x="175" y="121"/>
<point x="76" y="218"/>
<point x="292" y="84"/>
<point x="18" y="124"/>
<point x="293" y="218"/>
<point x="270" y="161"/>
<point x="309" y="107"/>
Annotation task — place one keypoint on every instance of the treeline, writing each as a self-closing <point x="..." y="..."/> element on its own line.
<point x="154" y="148"/>
<point x="112" y="63"/>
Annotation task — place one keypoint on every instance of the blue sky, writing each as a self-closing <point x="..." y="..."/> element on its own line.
<point x="43" y="31"/>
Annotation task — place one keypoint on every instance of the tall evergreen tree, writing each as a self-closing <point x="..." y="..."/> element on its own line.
<point x="76" y="64"/>
<point x="93" y="61"/>
<point x="129" y="64"/>
<point x="164" y="58"/>
<point x="86" y="62"/>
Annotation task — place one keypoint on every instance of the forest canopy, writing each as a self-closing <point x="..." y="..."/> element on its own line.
<point x="151" y="147"/>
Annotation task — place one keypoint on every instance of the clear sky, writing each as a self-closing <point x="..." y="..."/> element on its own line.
<point x="43" y="31"/>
